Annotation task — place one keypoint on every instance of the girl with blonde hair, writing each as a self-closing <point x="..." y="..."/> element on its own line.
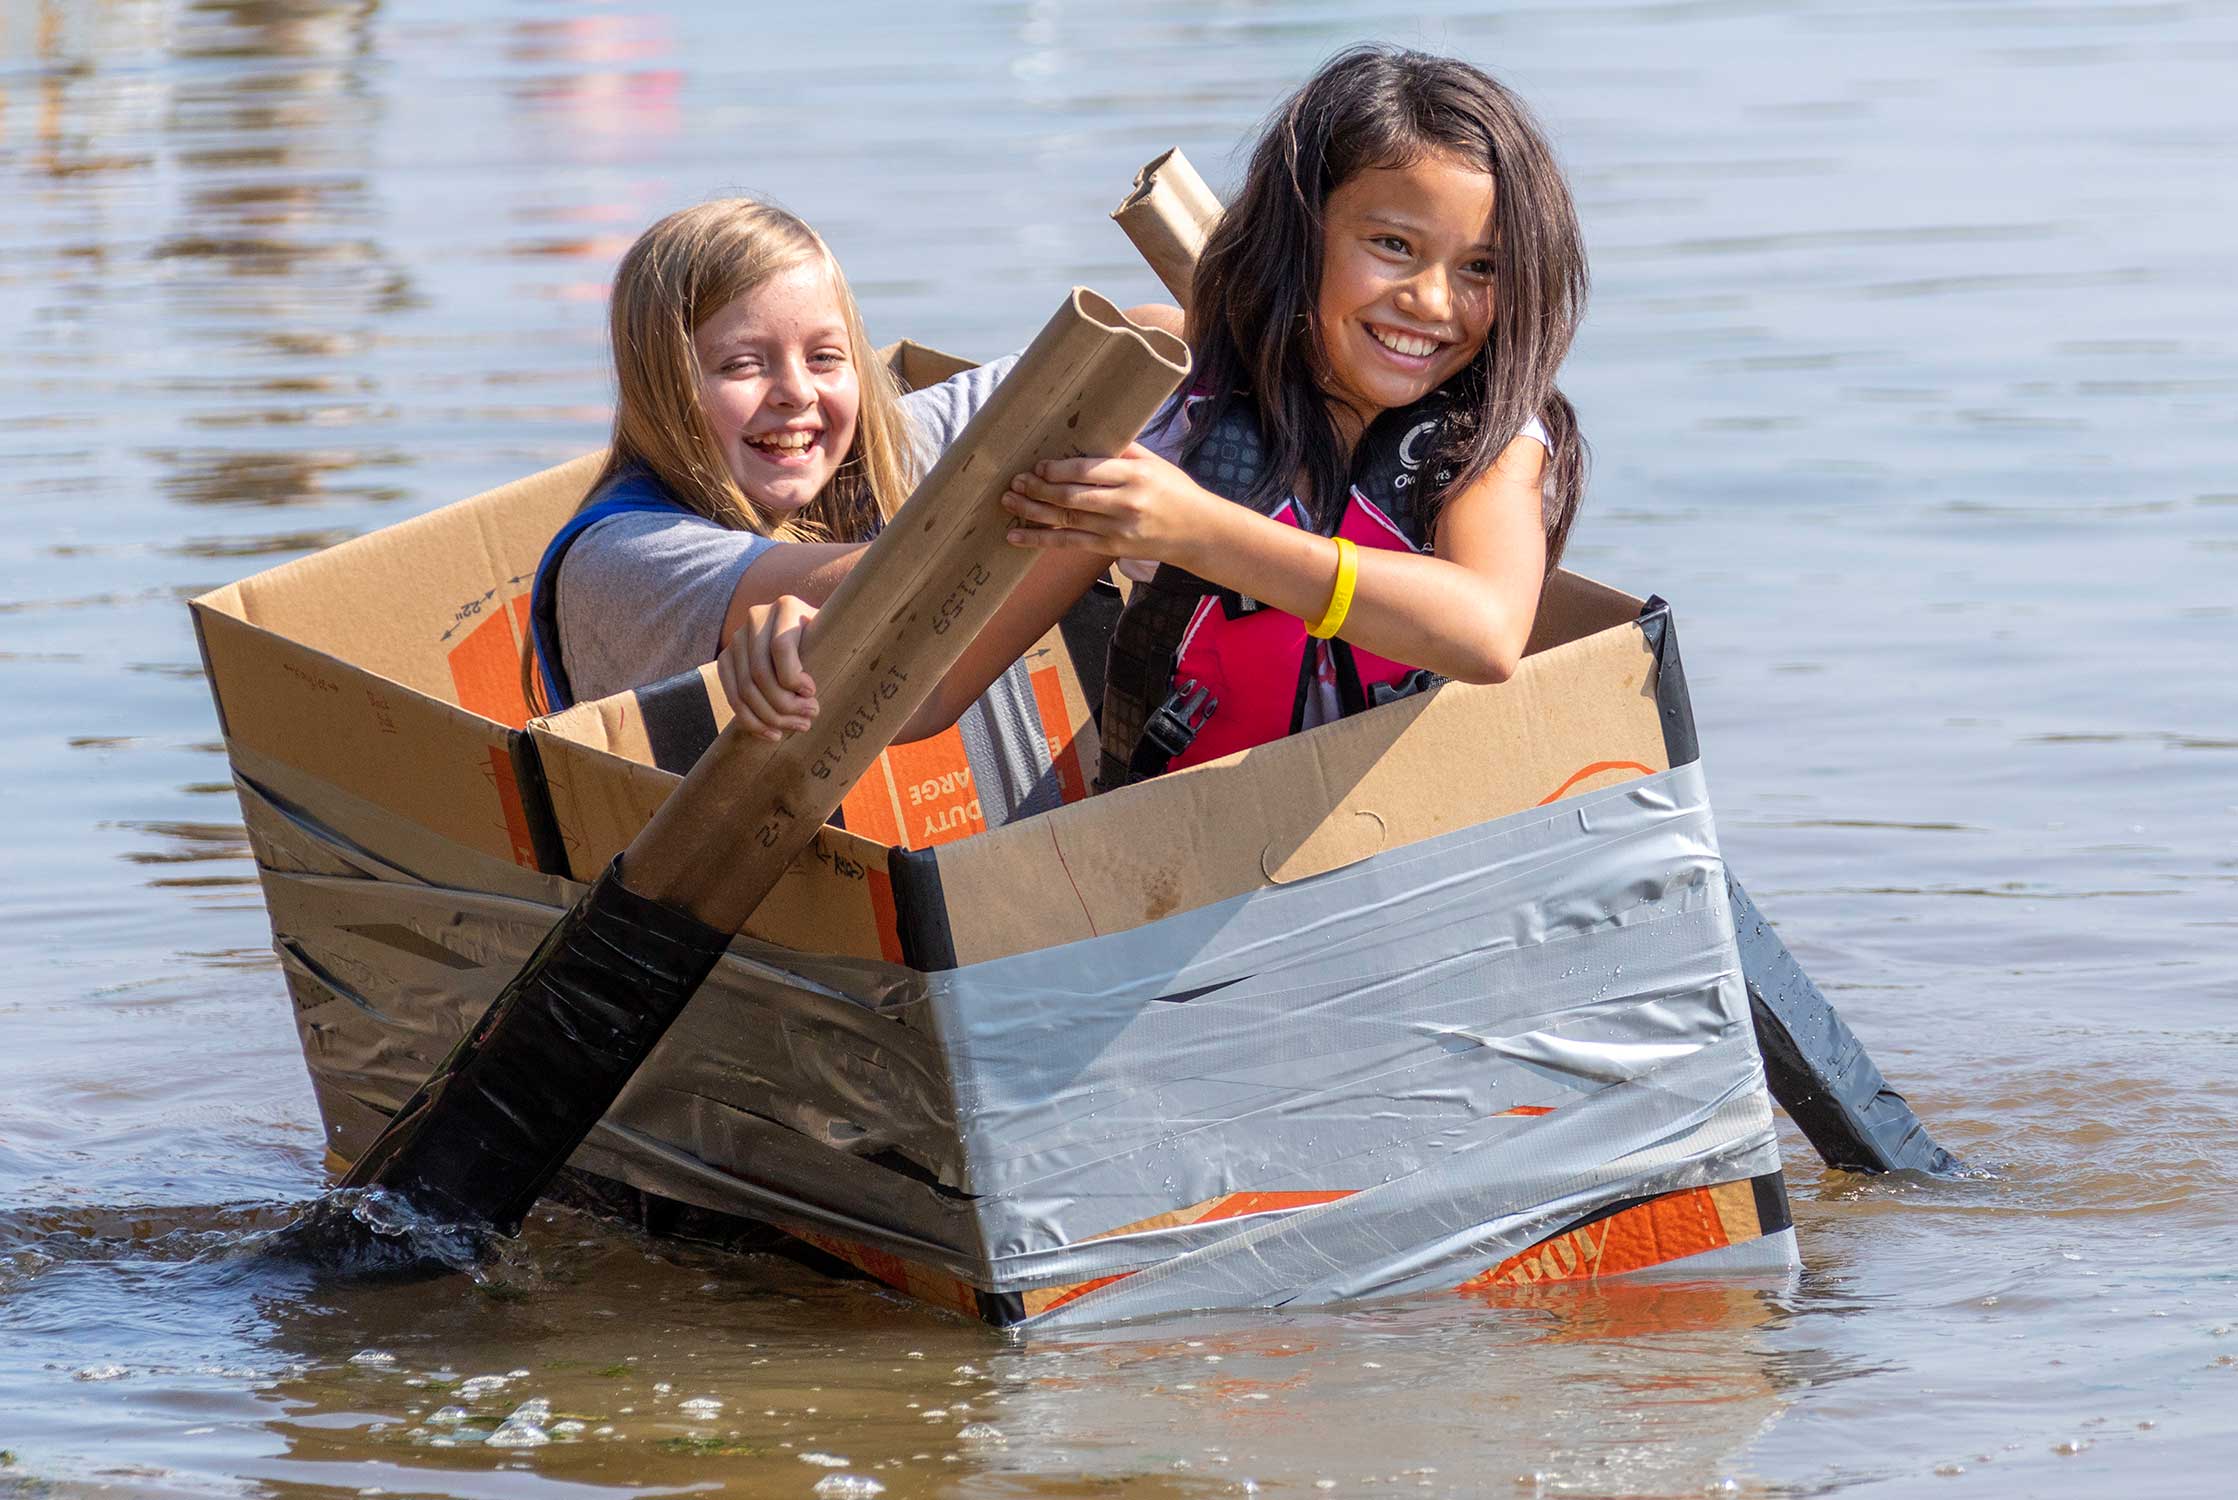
<point x="749" y="412"/>
<point x="759" y="444"/>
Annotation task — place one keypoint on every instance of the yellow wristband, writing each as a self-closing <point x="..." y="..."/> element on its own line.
<point x="1340" y="597"/>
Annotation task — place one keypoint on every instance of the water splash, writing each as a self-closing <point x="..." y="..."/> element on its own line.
<point x="373" y="1232"/>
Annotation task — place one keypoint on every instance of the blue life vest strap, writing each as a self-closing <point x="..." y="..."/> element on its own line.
<point x="632" y="490"/>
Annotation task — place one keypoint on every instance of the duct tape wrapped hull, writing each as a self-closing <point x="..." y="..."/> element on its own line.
<point x="1402" y="1075"/>
<point x="1444" y="996"/>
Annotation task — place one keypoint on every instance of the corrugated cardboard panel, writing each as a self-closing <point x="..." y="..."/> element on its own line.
<point x="276" y="797"/>
<point x="918" y="365"/>
<point x="627" y="724"/>
<point x="1572" y="607"/>
<point x="1574" y="718"/>
<point x="432" y="603"/>
<point x="837" y="898"/>
<point x="916" y="796"/>
<point x="450" y="772"/>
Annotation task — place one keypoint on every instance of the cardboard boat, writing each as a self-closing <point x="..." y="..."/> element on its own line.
<point x="1445" y="995"/>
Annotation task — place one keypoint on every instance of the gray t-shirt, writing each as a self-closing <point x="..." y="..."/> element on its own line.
<point x="642" y="595"/>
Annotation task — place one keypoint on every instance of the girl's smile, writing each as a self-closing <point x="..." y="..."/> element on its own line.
<point x="786" y="447"/>
<point x="1406" y="297"/>
<point x="779" y="386"/>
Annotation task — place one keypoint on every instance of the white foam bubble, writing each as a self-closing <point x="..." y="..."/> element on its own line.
<point x="514" y="1434"/>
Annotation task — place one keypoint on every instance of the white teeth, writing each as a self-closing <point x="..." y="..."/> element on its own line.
<point x="1405" y="343"/>
<point x="784" y="442"/>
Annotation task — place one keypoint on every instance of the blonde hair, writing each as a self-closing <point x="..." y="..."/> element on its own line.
<point x="681" y="272"/>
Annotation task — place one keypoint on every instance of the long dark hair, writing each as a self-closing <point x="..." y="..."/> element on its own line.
<point x="1251" y="318"/>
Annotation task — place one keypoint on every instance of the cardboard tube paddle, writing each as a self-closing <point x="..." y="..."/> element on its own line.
<point x="1168" y="215"/>
<point x="495" y="1122"/>
<point x="1814" y="1064"/>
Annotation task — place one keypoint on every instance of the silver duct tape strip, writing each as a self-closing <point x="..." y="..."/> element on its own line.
<point x="1772" y="1256"/>
<point x="794" y="1182"/>
<point x="1292" y="1037"/>
<point x="1008" y="750"/>
<point x="1268" y="1067"/>
<point x="417" y="964"/>
<point x="1484" y="1201"/>
<point x="312" y="826"/>
<point x="1359" y="1033"/>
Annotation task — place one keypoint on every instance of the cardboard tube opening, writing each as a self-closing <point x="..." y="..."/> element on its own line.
<point x="1169" y="213"/>
<point x="1145" y="180"/>
<point x="1100" y="310"/>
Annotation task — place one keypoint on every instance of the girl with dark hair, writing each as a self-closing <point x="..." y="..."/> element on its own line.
<point x="1370" y="479"/>
<point x="1373" y="473"/>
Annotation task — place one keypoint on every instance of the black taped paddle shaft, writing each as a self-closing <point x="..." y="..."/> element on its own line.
<point x="488" y="1132"/>
<point x="1816" y="1066"/>
<point x="498" y="1118"/>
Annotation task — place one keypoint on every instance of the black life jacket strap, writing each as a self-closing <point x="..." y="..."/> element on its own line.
<point x="1170" y="730"/>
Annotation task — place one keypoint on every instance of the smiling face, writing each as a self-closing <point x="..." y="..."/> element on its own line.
<point x="1407" y="295"/>
<point x="778" y="382"/>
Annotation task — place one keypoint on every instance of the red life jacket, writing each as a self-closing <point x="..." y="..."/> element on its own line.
<point x="1196" y="672"/>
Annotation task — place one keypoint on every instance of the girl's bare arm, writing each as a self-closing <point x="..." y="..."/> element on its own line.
<point x="1464" y="613"/>
<point x="805" y="570"/>
<point x="763" y="677"/>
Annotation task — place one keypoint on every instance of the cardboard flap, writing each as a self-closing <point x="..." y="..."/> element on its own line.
<point x="1575" y="718"/>
<point x="918" y="365"/>
<point x="437" y="603"/>
<point x="837" y="897"/>
<point x="1573" y="606"/>
<point x="1345" y="837"/>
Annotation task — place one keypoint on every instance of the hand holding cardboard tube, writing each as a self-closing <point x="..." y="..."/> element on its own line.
<point x="483" y="1137"/>
<point x="1816" y="1067"/>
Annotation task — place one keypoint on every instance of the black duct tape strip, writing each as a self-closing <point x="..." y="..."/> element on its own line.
<point x="679" y="721"/>
<point x="1002" y="1309"/>
<point x="1680" y="746"/>
<point x="1818" y="1069"/>
<point x="536" y="806"/>
<point x="496" y="1121"/>
<point x="921" y="910"/>
<point x="1772" y="1212"/>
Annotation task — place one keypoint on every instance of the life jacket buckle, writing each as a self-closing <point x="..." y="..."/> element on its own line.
<point x="1173" y="727"/>
<point x="1420" y="680"/>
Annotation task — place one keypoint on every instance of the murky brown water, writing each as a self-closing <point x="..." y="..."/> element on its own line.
<point x="1913" y="375"/>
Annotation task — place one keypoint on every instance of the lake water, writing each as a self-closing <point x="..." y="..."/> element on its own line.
<point x="1912" y="372"/>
